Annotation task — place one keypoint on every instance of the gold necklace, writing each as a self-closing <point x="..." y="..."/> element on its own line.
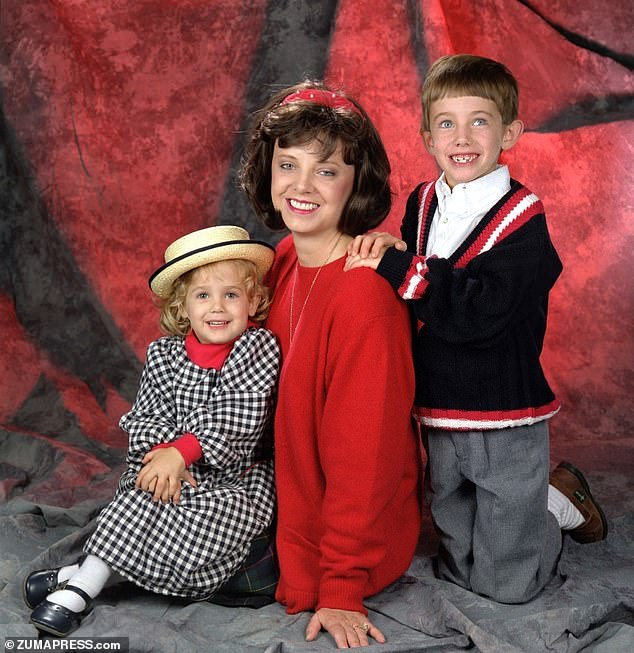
<point x="290" y="326"/>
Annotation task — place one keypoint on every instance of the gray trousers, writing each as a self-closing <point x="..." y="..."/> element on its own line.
<point x="489" y="505"/>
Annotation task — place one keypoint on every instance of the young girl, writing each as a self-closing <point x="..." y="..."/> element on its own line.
<point x="345" y="452"/>
<point x="198" y="489"/>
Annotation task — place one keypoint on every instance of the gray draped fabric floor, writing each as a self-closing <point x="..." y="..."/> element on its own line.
<point x="589" y="607"/>
<point x="121" y="128"/>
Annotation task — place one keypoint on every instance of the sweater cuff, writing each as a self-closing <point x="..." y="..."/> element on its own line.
<point x="340" y="594"/>
<point x="394" y="265"/>
<point x="188" y="447"/>
<point x="406" y="273"/>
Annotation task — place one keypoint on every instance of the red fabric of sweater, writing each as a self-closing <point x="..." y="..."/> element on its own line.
<point x="346" y="455"/>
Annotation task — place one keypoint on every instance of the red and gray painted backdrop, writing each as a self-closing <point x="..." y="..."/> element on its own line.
<point x="122" y="124"/>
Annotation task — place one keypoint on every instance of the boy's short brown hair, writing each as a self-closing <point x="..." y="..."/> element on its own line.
<point x="172" y="319"/>
<point x="467" y="74"/>
<point x="299" y="123"/>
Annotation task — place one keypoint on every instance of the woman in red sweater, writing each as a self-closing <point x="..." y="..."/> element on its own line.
<point x="346" y="455"/>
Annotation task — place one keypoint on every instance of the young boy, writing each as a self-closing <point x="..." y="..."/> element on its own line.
<point x="476" y="263"/>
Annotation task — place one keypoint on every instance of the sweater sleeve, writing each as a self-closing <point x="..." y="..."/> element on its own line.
<point x="478" y="303"/>
<point x="406" y="271"/>
<point x="496" y="290"/>
<point x="366" y="435"/>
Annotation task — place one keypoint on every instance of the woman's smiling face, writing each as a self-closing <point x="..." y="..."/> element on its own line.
<point x="309" y="191"/>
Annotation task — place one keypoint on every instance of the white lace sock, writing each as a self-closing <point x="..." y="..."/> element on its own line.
<point x="567" y="516"/>
<point x="91" y="577"/>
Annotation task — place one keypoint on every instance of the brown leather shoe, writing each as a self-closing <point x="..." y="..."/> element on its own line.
<point x="571" y="483"/>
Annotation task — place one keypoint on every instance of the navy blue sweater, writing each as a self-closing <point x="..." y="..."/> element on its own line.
<point x="481" y="314"/>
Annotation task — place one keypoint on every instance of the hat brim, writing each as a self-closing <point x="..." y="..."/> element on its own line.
<point x="258" y="252"/>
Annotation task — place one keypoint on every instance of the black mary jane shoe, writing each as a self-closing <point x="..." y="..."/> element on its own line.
<point x="38" y="585"/>
<point x="57" y="620"/>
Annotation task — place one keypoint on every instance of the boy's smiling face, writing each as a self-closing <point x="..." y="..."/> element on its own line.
<point x="467" y="135"/>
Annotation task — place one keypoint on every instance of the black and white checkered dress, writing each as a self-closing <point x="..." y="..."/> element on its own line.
<point x="191" y="548"/>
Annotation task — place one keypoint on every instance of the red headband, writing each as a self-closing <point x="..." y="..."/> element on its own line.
<point x="319" y="96"/>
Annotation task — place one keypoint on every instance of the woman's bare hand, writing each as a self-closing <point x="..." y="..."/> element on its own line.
<point x="349" y="629"/>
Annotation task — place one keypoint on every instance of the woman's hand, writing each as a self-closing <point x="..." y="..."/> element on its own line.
<point x="162" y="473"/>
<point x="349" y="629"/>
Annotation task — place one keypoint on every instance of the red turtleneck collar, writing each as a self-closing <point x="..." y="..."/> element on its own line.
<point x="207" y="356"/>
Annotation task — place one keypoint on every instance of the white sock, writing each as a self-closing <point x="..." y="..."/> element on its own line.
<point x="64" y="573"/>
<point x="567" y="516"/>
<point x="91" y="577"/>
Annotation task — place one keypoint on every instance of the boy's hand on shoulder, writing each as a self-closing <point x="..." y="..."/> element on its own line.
<point x="367" y="250"/>
<point x="353" y="262"/>
<point x="162" y="473"/>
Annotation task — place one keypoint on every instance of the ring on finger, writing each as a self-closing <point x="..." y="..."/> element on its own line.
<point x="364" y="627"/>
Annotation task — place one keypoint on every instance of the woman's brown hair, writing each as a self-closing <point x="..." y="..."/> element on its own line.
<point x="301" y="122"/>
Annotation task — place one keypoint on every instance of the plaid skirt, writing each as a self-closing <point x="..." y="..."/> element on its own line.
<point x="254" y="584"/>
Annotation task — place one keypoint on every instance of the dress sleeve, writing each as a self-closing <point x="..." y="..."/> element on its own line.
<point x="365" y="435"/>
<point x="188" y="447"/>
<point x="152" y="419"/>
<point x="230" y="424"/>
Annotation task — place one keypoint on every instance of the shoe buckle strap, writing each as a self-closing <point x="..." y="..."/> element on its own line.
<point x="87" y="598"/>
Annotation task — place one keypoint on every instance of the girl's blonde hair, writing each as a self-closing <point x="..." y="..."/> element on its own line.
<point x="173" y="321"/>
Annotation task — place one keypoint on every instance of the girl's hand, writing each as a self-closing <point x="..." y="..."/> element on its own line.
<point x="162" y="473"/>
<point x="349" y="629"/>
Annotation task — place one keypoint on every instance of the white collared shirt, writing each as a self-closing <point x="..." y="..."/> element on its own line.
<point x="459" y="210"/>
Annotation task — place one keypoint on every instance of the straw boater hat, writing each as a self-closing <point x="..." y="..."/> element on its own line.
<point x="208" y="246"/>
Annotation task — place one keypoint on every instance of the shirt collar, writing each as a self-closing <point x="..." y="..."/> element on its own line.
<point x="481" y="192"/>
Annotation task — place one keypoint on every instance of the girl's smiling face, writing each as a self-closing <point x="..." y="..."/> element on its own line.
<point x="217" y="304"/>
<point x="309" y="191"/>
<point x="467" y="136"/>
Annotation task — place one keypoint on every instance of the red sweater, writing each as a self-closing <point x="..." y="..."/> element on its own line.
<point x="346" y="457"/>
